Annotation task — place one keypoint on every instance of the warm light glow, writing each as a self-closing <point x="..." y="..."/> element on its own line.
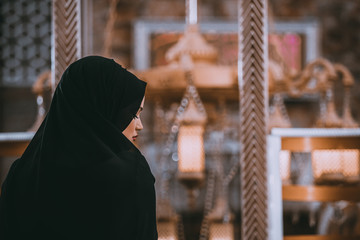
<point x="167" y="231"/>
<point x="345" y="162"/>
<point x="285" y="164"/>
<point x="191" y="148"/>
<point x="221" y="231"/>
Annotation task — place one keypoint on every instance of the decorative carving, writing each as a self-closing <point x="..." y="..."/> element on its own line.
<point x="348" y="82"/>
<point x="194" y="45"/>
<point x="190" y="52"/>
<point x="67" y="36"/>
<point x="318" y="77"/>
<point x="253" y="117"/>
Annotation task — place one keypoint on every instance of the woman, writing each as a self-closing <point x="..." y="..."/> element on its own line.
<point x="81" y="176"/>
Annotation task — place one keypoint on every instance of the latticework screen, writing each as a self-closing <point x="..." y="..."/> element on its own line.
<point x="25" y="40"/>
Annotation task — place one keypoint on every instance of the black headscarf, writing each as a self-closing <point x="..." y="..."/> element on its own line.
<point x="80" y="177"/>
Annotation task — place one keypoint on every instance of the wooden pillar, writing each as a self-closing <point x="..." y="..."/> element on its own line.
<point x="66" y="39"/>
<point x="253" y="86"/>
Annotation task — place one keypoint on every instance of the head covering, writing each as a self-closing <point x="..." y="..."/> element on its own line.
<point x="79" y="172"/>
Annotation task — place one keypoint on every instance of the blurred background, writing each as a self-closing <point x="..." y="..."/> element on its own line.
<point x="314" y="81"/>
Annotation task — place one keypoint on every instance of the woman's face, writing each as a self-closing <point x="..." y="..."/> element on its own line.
<point x="131" y="131"/>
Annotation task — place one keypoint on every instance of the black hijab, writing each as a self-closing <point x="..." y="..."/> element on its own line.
<point x="80" y="177"/>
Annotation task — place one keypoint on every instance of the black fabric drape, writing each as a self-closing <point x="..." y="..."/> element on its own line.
<point x="80" y="177"/>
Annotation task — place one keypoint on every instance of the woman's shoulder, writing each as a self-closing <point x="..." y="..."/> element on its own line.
<point x="126" y="166"/>
<point x="119" y="168"/>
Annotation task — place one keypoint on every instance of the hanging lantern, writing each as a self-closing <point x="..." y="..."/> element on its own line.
<point x="221" y="231"/>
<point x="166" y="221"/>
<point x="167" y="229"/>
<point x="336" y="165"/>
<point x="221" y="222"/>
<point x="191" y="152"/>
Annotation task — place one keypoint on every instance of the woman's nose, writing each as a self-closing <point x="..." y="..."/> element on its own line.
<point x="139" y="125"/>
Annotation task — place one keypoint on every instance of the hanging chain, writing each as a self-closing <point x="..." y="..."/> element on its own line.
<point x="214" y="174"/>
<point x="230" y="176"/>
<point x="236" y="166"/>
<point x="226" y="179"/>
<point x="192" y="90"/>
<point x="180" y="226"/>
<point x="169" y="143"/>
<point x="209" y="195"/>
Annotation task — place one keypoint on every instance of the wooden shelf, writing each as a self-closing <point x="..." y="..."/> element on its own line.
<point x="14" y="144"/>
<point x="321" y="237"/>
<point x="320" y="193"/>
<point x="307" y="144"/>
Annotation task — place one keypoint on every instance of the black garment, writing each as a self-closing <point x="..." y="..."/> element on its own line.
<point x="80" y="177"/>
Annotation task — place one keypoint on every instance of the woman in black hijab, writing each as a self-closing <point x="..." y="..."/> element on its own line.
<point x="81" y="177"/>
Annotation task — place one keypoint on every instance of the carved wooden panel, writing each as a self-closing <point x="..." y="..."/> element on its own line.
<point x="253" y="117"/>
<point x="66" y="35"/>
